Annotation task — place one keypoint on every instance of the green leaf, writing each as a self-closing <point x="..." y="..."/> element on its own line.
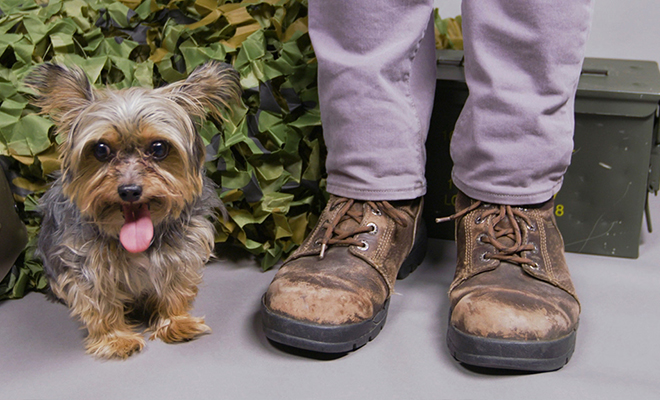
<point x="35" y="130"/>
<point x="275" y="203"/>
<point x="196" y="56"/>
<point x="10" y="112"/>
<point x="168" y="72"/>
<point x="76" y="10"/>
<point x="92" y="66"/>
<point x="35" y="28"/>
<point x="144" y="74"/>
<point x="236" y="180"/>
<point x="119" y="13"/>
<point x="268" y="171"/>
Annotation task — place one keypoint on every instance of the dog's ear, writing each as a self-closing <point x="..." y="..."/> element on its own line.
<point x="61" y="92"/>
<point x="211" y="88"/>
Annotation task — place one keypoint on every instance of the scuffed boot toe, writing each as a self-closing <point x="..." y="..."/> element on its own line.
<point x="305" y="301"/>
<point x="508" y="304"/>
<point x="486" y="315"/>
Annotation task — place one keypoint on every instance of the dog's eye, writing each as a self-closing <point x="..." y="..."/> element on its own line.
<point x="159" y="150"/>
<point x="102" y="151"/>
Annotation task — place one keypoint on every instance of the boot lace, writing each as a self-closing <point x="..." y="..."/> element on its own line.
<point x="496" y="232"/>
<point x="336" y="235"/>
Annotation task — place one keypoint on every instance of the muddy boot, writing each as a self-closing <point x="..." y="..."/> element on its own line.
<point x="332" y="294"/>
<point x="513" y="305"/>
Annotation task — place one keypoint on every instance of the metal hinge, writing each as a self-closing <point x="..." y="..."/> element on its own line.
<point x="654" y="168"/>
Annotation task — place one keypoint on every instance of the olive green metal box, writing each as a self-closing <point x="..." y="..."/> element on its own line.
<point x="615" y="162"/>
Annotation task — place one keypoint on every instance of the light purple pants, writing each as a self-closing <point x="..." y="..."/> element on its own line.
<point x="514" y="138"/>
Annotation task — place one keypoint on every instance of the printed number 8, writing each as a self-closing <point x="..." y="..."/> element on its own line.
<point x="559" y="210"/>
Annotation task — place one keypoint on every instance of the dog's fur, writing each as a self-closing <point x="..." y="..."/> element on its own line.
<point x="88" y="267"/>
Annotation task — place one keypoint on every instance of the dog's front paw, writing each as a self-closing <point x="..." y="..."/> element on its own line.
<point x="117" y="345"/>
<point x="179" y="328"/>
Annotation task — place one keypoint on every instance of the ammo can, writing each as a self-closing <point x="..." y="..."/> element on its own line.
<point x="615" y="162"/>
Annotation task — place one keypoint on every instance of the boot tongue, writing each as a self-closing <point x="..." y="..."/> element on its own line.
<point x="504" y="225"/>
<point x="138" y="230"/>
<point x="349" y="224"/>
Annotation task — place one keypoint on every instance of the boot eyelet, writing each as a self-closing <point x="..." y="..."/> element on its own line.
<point x="478" y="220"/>
<point x="480" y="238"/>
<point x="374" y="228"/>
<point x="531" y="227"/>
<point x="317" y="242"/>
<point x="534" y="266"/>
<point x="376" y="212"/>
<point x="487" y="260"/>
<point x="364" y="247"/>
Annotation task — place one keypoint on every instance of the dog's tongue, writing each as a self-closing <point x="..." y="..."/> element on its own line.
<point x="138" y="230"/>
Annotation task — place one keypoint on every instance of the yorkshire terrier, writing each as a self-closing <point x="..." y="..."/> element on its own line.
<point x="126" y="228"/>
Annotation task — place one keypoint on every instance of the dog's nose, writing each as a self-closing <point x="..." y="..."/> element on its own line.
<point x="130" y="193"/>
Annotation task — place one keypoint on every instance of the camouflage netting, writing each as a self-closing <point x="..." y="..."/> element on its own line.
<point x="267" y="157"/>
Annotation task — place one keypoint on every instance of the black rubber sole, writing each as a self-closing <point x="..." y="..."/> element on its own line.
<point x="533" y="356"/>
<point x="338" y="338"/>
<point x="321" y="338"/>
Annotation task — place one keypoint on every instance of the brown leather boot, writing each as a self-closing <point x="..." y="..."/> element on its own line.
<point x="332" y="294"/>
<point x="513" y="305"/>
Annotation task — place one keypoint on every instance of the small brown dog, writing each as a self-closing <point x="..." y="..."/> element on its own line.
<point x="126" y="226"/>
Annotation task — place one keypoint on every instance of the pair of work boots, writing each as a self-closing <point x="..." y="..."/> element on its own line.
<point x="513" y="305"/>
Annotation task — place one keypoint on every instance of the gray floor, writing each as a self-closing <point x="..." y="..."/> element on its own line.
<point x="617" y="356"/>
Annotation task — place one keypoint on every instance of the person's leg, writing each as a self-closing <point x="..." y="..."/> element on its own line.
<point x="376" y="87"/>
<point x="376" y="81"/>
<point x="513" y="140"/>
<point x="513" y="304"/>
